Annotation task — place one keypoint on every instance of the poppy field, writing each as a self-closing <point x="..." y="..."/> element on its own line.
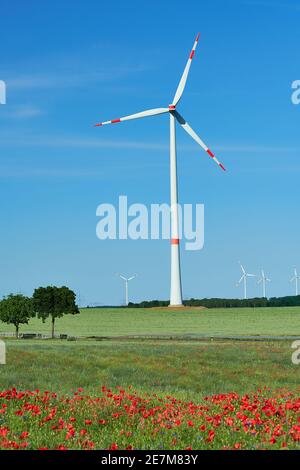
<point x="124" y="419"/>
<point x="147" y="393"/>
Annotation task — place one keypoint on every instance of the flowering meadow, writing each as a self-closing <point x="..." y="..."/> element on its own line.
<point x="122" y="419"/>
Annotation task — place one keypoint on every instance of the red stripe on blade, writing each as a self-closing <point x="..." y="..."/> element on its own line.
<point x="192" y="54"/>
<point x="174" y="241"/>
<point x="98" y="125"/>
<point x="223" y="168"/>
<point x="115" y="120"/>
<point x="210" y="153"/>
<point x="198" y="36"/>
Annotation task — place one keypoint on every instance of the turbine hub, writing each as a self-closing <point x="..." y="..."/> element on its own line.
<point x="172" y="107"/>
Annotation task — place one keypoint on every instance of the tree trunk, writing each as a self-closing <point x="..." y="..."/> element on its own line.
<point x="53" y="322"/>
<point x="17" y="331"/>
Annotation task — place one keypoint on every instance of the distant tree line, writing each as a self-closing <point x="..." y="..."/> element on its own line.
<point x="290" y="301"/>
<point x="47" y="302"/>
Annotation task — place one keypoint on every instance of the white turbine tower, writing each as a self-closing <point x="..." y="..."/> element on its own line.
<point x="244" y="278"/>
<point x="176" y="291"/>
<point x="295" y="278"/>
<point x="126" y="279"/>
<point x="264" y="279"/>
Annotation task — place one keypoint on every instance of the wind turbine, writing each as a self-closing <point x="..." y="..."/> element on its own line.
<point x="264" y="279"/>
<point x="295" y="278"/>
<point x="176" y="290"/>
<point x="244" y="278"/>
<point x="126" y="279"/>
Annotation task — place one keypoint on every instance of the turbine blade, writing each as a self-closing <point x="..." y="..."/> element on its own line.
<point x="193" y="134"/>
<point x="241" y="278"/>
<point x="242" y="267"/>
<point x="184" y="77"/>
<point x="259" y="281"/>
<point x="251" y="275"/>
<point x="130" y="278"/>
<point x="122" y="277"/>
<point x="149" y="112"/>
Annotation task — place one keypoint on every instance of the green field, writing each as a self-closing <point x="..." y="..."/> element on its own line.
<point x="217" y="322"/>
<point x="185" y="358"/>
<point x="183" y="368"/>
<point x="185" y="365"/>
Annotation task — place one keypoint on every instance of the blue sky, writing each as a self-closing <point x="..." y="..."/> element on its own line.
<point x="68" y="65"/>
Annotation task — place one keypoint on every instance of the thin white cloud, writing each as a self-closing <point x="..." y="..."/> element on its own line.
<point x="51" y="81"/>
<point x="90" y="143"/>
<point x="108" y="144"/>
<point x="257" y="149"/>
<point x="69" y="79"/>
<point x="78" y="142"/>
<point x="273" y="4"/>
<point x="25" y="172"/>
<point x="21" y="112"/>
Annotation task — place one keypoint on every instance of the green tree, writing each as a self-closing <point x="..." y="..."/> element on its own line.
<point x="54" y="302"/>
<point x="16" y="310"/>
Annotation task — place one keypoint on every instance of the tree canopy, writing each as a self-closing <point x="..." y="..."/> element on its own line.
<point x="54" y="302"/>
<point x="289" y="301"/>
<point x="16" y="309"/>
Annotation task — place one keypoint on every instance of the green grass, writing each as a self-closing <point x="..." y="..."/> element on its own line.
<point x="185" y="369"/>
<point x="114" y="322"/>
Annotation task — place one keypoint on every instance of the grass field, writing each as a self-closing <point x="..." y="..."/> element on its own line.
<point x="185" y="369"/>
<point x="217" y="322"/>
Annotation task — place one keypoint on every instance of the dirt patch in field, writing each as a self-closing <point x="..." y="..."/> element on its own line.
<point x="167" y="309"/>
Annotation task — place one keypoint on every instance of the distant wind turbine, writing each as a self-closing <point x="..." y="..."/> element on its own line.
<point x="126" y="279"/>
<point x="264" y="279"/>
<point x="244" y="278"/>
<point x="295" y="278"/>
